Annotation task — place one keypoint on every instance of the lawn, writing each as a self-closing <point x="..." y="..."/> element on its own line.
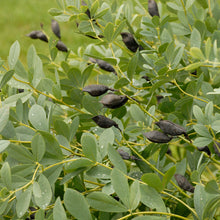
<point x="18" y="18"/>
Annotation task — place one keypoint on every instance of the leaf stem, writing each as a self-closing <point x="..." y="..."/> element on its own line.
<point x="153" y="213"/>
<point x="184" y="8"/>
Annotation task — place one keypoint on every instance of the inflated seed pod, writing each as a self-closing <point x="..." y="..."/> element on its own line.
<point x="216" y="147"/>
<point x="55" y="28"/>
<point x="184" y="183"/>
<point x="104" y="65"/>
<point x="130" y="42"/>
<point x="20" y="90"/>
<point x="104" y="122"/>
<point x="205" y="149"/>
<point x="123" y="154"/>
<point x="42" y="36"/>
<point x="96" y="90"/>
<point x="147" y="78"/>
<point x="171" y="128"/>
<point x="37" y="35"/>
<point x="157" y="137"/>
<point x="61" y="46"/>
<point x="152" y="8"/>
<point x="113" y="101"/>
<point x="126" y="156"/>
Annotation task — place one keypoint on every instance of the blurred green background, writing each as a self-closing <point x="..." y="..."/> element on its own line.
<point x="20" y="17"/>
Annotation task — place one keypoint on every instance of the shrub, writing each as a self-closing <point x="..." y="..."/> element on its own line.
<point x="70" y="150"/>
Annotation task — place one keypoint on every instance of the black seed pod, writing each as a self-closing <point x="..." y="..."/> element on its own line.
<point x="216" y="147"/>
<point x="42" y="36"/>
<point x="104" y="122"/>
<point x="96" y="90"/>
<point x="33" y="34"/>
<point x="55" y="28"/>
<point x="152" y="8"/>
<point x="171" y="128"/>
<point x="130" y="42"/>
<point x="113" y="101"/>
<point x="205" y="149"/>
<point x="157" y="137"/>
<point x="38" y="35"/>
<point x="123" y="154"/>
<point x="104" y="65"/>
<point x="61" y="46"/>
<point x="20" y="90"/>
<point x="147" y="78"/>
<point x="184" y="183"/>
<point x="126" y="156"/>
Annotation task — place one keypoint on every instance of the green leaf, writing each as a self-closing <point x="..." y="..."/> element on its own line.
<point x="209" y="111"/>
<point x="202" y="130"/>
<point x="120" y="185"/>
<point x="55" y="11"/>
<point x="153" y="180"/>
<point x="195" y="40"/>
<point x="11" y="100"/>
<point x="73" y="128"/>
<point x="119" y="29"/>
<point x="78" y="163"/>
<point x="193" y="66"/>
<point x="57" y="91"/>
<point x="86" y="74"/>
<point x="19" y="109"/>
<point x="42" y="192"/>
<point x="38" y="147"/>
<point x="109" y="31"/>
<point x="105" y="203"/>
<point x="180" y="29"/>
<point x="52" y="146"/>
<point x="202" y="141"/>
<point x="6" y="77"/>
<point x="94" y="7"/>
<point x="107" y="137"/>
<point x="89" y="146"/>
<point x="120" y="83"/>
<point x="132" y="65"/>
<point x="135" y="195"/>
<point x="91" y="104"/>
<point x="40" y="214"/>
<point x="203" y="3"/>
<point x="168" y="175"/>
<point x="4" y="116"/>
<point x="37" y="117"/>
<point x="6" y="175"/>
<point x="23" y="201"/>
<point x="212" y="187"/>
<point x="62" y="128"/>
<point x="216" y="125"/>
<point x="137" y="114"/>
<point x="151" y="198"/>
<point x="198" y="114"/>
<point x="3" y="206"/>
<point x="208" y="47"/>
<point x="148" y="217"/>
<point x="20" y="153"/>
<point x="58" y="210"/>
<point x="4" y="144"/>
<point x="75" y="76"/>
<point x="211" y="208"/>
<point x="116" y="159"/>
<point x="200" y="199"/>
<point x="80" y="209"/>
<point x="13" y="54"/>
<point x="196" y="53"/>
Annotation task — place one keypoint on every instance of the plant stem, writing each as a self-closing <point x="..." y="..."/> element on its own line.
<point x="153" y="213"/>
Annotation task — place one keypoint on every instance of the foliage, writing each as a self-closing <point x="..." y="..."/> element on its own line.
<point x="58" y="164"/>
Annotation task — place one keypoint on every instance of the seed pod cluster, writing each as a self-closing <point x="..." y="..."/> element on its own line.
<point x="170" y="128"/>
<point x="96" y="90"/>
<point x="104" y="122"/>
<point x="184" y="183"/>
<point x="103" y="65"/>
<point x="157" y="137"/>
<point x="152" y="8"/>
<point x="130" y="42"/>
<point x="113" y="101"/>
<point x="56" y="30"/>
<point x="126" y="156"/>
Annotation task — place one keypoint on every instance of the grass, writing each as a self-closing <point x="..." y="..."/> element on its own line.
<point x="20" y="17"/>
